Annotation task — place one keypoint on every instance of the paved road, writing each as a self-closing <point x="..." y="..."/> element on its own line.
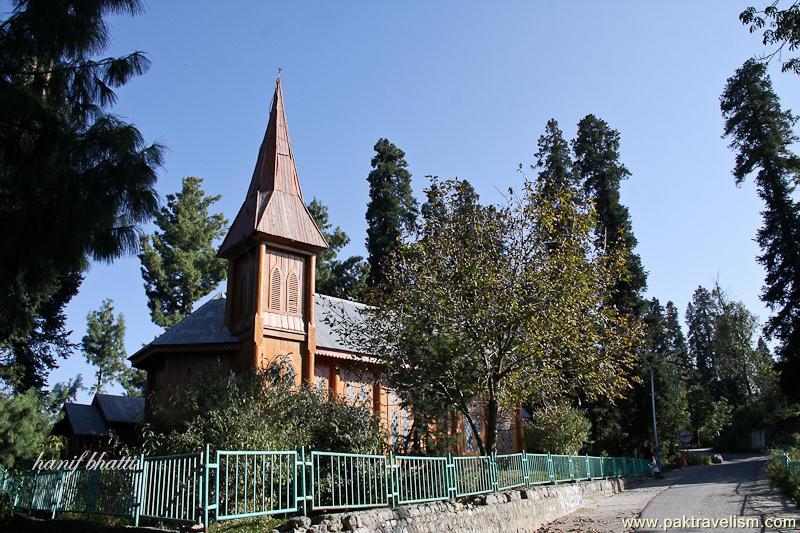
<point x="736" y="488"/>
<point x="710" y="492"/>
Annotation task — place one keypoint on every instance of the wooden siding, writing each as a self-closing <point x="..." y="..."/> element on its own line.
<point x="242" y="298"/>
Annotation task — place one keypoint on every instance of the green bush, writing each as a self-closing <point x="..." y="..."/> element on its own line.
<point x="558" y="429"/>
<point x="787" y="480"/>
<point x="697" y="460"/>
<point x="258" y="411"/>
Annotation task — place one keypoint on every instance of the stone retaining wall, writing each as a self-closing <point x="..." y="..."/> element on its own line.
<point x="520" y="510"/>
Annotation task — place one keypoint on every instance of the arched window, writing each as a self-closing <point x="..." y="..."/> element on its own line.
<point x="275" y="289"/>
<point x="293" y="294"/>
<point x="394" y="428"/>
<point x="291" y="375"/>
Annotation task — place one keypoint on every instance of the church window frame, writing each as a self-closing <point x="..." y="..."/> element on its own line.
<point x="275" y="286"/>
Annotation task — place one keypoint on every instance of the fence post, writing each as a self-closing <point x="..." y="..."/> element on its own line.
<point x="139" y="489"/>
<point x="452" y="484"/>
<point x="206" y="492"/>
<point x="571" y="465"/>
<point x="526" y="469"/>
<point x="588" y="468"/>
<point x="493" y="474"/>
<point x="550" y="470"/>
<point x="602" y="470"/>
<point x="302" y="473"/>
<point x="394" y="484"/>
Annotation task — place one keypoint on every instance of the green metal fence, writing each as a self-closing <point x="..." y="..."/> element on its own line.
<point x="349" y="480"/>
<point x="790" y="465"/>
<point x="420" y="479"/>
<point x="193" y="488"/>
<point x="171" y="488"/>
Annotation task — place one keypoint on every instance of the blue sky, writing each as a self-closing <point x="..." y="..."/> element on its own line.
<point x="465" y="88"/>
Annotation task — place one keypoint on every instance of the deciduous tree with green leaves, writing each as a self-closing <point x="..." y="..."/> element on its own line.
<point x="179" y="263"/>
<point x="761" y="134"/>
<point x="483" y="312"/>
<point x="341" y="278"/>
<point x="104" y="344"/>
<point x="392" y="208"/>
<point x="77" y="182"/>
<point x="780" y="30"/>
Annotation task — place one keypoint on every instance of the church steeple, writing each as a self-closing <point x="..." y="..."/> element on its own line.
<point x="274" y="208"/>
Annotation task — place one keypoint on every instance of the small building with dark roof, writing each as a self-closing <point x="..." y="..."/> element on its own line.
<point x="89" y="427"/>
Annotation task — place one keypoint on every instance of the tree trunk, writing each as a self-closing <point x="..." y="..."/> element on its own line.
<point x="492" y="409"/>
<point x="478" y="436"/>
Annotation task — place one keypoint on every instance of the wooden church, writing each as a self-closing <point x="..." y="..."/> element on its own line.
<point x="271" y="310"/>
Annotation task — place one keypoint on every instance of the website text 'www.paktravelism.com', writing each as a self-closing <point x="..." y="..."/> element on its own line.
<point x="688" y="522"/>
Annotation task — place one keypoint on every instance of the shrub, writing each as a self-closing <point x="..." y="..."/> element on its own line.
<point x="787" y="480"/>
<point x="558" y="428"/>
<point x="260" y="410"/>
<point x="690" y="459"/>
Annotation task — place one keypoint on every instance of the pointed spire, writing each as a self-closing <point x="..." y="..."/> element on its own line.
<point x="274" y="204"/>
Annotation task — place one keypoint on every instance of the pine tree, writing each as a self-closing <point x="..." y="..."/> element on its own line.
<point x="103" y="345"/>
<point x="77" y="182"/>
<point x="675" y="338"/>
<point x="179" y="263"/>
<point x="133" y="381"/>
<point x="554" y="162"/>
<point x="761" y="134"/>
<point x="61" y="393"/>
<point x="341" y="278"/>
<point x="671" y="403"/>
<point x="700" y="320"/>
<point x="598" y="166"/>
<point x="392" y="208"/>
<point x="29" y="356"/>
<point x="599" y="172"/>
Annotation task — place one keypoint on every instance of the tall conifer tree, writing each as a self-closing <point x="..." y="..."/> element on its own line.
<point x="676" y="338"/>
<point x="599" y="172"/>
<point x="700" y="320"/>
<point x="761" y="134"/>
<point x="179" y="263"/>
<point x="77" y="182"/>
<point x="392" y="208"/>
<point x="104" y="345"/>
<point x="554" y="162"/>
<point x="598" y="166"/>
<point x="335" y="277"/>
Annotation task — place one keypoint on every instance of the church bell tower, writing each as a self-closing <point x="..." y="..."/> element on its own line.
<point x="271" y="250"/>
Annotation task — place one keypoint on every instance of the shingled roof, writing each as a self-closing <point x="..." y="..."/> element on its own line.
<point x="206" y="326"/>
<point x="84" y="420"/>
<point x="119" y="409"/>
<point x="106" y="410"/>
